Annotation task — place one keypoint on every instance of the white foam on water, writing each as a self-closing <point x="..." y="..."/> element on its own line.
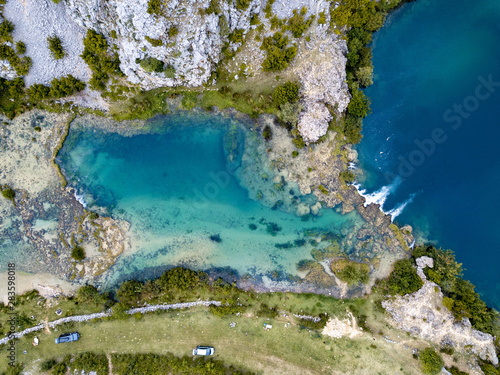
<point x="396" y="211"/>
<point x="81" y="199"/>
<point x="380" y="196"/>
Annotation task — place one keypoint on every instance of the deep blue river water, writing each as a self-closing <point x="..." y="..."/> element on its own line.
<point x="433" y="135"/>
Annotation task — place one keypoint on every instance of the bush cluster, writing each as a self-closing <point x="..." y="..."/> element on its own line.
<point x="151" y="64"/>
<point x="154" y="7"/>
<point x="243" y="4"/>
<point x="21" y="65"/>
<point x="78" y="253"/>
<point x="351" y="272"/>
<point x="286" y="93"/>
<point x="236" y="36"/>
<point x="96" y="56"/>
<point x="460" y="297"/>
<point x="431" y="362"/>
<point x="154" y="364"/>
<point x="297" y="24"/>
<point x="8" y="193"/>
<point x="55" y="47"/>
<point x="154" y="42"/>
<point x="65" y="86"/>
<point x="6" y="29"/>
<point x="279" y="55"/>
<point x="404" y="279"/>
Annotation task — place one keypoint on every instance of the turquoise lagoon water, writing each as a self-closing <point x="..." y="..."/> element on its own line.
<point x="177" y="188"/>
<point x="432" y="56"/>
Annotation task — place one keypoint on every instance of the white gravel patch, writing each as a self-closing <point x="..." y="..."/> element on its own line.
<point x="34" y="21"/>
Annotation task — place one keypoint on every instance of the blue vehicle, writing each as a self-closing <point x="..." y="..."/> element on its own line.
<point x="68" y="337"/>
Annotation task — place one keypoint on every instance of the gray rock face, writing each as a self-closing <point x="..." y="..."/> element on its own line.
<point x="193" y="52"/>
<point x="423" y="314"/>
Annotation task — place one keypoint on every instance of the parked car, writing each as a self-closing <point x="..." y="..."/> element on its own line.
<point x="204" y="350"/>
<point x="68" y="337"/>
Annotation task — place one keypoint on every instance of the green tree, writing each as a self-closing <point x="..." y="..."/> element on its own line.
<point x="55" y="47"/>
<point x="359" y="106"/>
<point x="154" y="7"/>
<point x="404" y="279"/>
<point x="65" y="86"/>
<point x="297" y="24"/>
<point x="288" y="92"/>
<point x="279" y="55"/>
<point x="20" y="47"/>
<point x="6" y="28"/>
<point x="38" y="92"/>
<point x="8" y="193"/>
<point x="151" y="64"/>
<point x="431" y="361"/>
<point x="78" y="253"/>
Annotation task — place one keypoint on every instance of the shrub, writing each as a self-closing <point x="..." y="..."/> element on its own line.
<point x="89" y="294"/>
<point x="154" y="42"/>
<point x="78" y="253"/>
<point x="59" y="369"/>
<point x="236" y="36"/>
<point x="172" y="32"/>
<point x="286" y="93"/>
<point x="6" y="28"/>
<point x="322" y="18"/>
<point x="431" y="362"/>
<point x="297" y="24"/>
<point x="455" y="371"/>
<point x="20" y="47"/>
<point x="37" y="92"/>
<point x="96" y="57"/>
<point x="295" y="153"/>
<point x="48" y="364"/>
<point x="323" y="190"/>
<point x="351" y="272"/>
<point x="154" y="7"/>
<point x="169" y="71"/>
<point x="65" y="86"/>
<point x="90" y="362"/>
<point x="347" y="176"/>
<point x="267" y="133"/>
<point x="267" y="312"/>
<point x="8" y="193"/>
<point x="279" y="55"/>
<point x="213" y="8"/>
<point x="151" y="64"/>
<point x="243" y="4"/>
<point x="359" y="106"/>
<point x="404" y="279"/>
<point x="55" y="47"/>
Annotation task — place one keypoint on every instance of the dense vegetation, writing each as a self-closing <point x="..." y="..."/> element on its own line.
<point x="404" y="278"/>
<point x="460" y="297"/>
<point x="432" y="363"/>
<point x="351" y="272"/>
<point x="8" y="193"/>
<point x="55" y="47"/>
<point x="101" y="63"/>
<point x="78" y="253"/>
<point x="357" y="20"/>
<point x="154" y="7"/>
<point x="279" y="53"/>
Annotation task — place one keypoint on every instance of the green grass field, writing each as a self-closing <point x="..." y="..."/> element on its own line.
<point x="284" y="349"/>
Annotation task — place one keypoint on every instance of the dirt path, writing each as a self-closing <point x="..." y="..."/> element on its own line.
<point x="84" y="318"/>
